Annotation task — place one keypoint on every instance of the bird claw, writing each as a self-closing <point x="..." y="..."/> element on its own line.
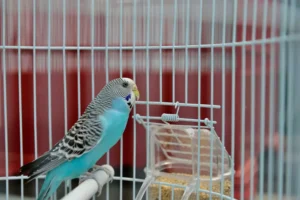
<point x="89" y="175"/>
<point x="110" y="176"/>
<point x="85" y="176"/>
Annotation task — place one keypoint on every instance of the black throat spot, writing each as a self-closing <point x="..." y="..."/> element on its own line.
<point x="129" y="104"/>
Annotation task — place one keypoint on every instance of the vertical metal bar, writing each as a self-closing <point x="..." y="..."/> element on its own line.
<point x="65" y="81"/>
<point x="187" y="34"/>
<point x="5" y="97"/>
<point x="49" y="76"/>
<point x="34" y="91"/>
<point x="121" y="42"/>
<point x="92" y="47"/>
<point x="199" y="96"/>
<point x="147" y="85"/>
<point x="173" y="51"/>
<point x="289" y="120"/>
<point x="159" y="192"/>
<point x="223" y="93"/>
<point x="134" y="151"/>
<point x="272" y="104"/>
<point x="20" y="95"/>
<point x="243" y="97"/>
<point x="106" y="49"/>
<point x="262" y="106"/>
<point x="297" y="125"/>
<point x="233" y="88"/>
<point x="160" y="49"/>
<point x="92" y="24"/>
<point x="290" y="103"/>
<point x="107" y="70"/>
<point x="172" y="192"/>
<point x="65" y="68"/>
<point x="134" y="110"/>
<point x="212" y="91"/>
<point x="252" y="131"/>
<point x="78" y="58"/>
<point x="121" y="74"/>
<point x="282" y="95"/>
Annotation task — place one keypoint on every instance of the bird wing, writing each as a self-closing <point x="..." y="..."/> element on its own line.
<point x="80" y="139"/>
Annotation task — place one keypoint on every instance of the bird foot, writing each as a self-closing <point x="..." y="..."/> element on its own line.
<point x="110" y="176"/>
<point x="90" y="175"/>
<point x="84" y="177"/>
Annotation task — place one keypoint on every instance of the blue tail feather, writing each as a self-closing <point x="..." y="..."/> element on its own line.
<point x="50" y="185"/>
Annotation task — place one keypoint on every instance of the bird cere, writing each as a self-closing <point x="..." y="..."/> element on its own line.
<point x="97" y="130"/>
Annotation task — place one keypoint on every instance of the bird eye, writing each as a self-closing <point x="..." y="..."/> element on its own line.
<point x="125" y="84"/>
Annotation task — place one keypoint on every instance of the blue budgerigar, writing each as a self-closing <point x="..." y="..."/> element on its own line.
<point x="96" y="131"/>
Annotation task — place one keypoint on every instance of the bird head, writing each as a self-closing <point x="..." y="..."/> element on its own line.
<point x="132" y="91"/>
<point x="124" y="88"/>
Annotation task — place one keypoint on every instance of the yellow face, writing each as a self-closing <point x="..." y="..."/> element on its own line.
<point x="136" y="92"/>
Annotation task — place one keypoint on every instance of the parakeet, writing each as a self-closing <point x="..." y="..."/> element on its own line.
<point x="95" y="132"/>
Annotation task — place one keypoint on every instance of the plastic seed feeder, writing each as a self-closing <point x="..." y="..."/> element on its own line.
<point x="176" y="168"/>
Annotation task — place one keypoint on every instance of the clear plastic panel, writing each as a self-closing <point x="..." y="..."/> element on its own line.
<point x="175" y="150"/>
<point x="173" y="160"/>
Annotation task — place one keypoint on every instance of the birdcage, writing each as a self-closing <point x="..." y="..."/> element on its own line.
<point x="232" y="62"/>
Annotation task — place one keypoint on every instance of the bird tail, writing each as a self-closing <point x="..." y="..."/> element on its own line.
<point x="50" y="185"/>
<point x="32" y="169"/>
<point x="40" y="166"/>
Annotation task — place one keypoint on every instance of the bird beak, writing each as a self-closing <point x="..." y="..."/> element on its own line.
<point x="136" y="92"/>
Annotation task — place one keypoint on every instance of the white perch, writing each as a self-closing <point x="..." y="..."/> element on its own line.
<point x="87" y="189"/>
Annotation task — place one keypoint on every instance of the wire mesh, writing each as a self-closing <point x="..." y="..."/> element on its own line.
<point x="237" y="56"/>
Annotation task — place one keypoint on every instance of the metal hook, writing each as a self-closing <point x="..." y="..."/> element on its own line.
<point x="177" y="107"/>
